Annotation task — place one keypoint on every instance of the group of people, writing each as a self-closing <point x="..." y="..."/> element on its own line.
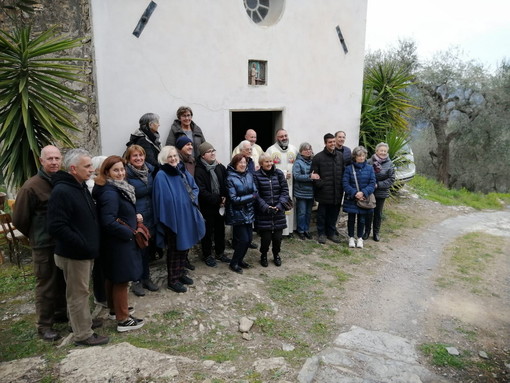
<point x="179" y="195"/>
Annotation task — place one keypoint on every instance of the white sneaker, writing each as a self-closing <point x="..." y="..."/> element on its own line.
<point x="352" y="243"/>
<point x="360" y="243"/>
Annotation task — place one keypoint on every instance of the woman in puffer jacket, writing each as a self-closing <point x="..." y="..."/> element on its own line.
<point x="366" y="180"/>
<point x="385" y="178"/>
<point x="240" y="212"/>
<point x="270" y="208"/>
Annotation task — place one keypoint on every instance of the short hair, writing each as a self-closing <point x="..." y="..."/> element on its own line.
<point x="278" y="131"/>
<point x="236" y="159"/>
<point x="74" y="156"/>
<point x="105" y="168"/>
<point x="97" y="161"/>
<point x="243" y="143"/>
<point x="147" y="119"/>
<point x="340" y="131"/>
<point x="165" y="150"/>
<point x="182" y="110"/>
<point x="304" y="146"/>
<point x="327" y="137"/>
<point x="133" y="148"/>
<point x="357" y="150"/>
<point x="382" y="144"/>
<point x="264" y="157"/>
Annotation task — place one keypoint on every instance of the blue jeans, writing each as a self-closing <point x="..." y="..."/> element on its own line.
<point x="304" y="213"/>
<point x="243" y="235"/>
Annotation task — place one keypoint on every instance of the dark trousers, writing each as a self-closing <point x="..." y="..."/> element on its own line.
<point x="175" y="259"/>
<point x="327" y="215"/>
<point x="351" y="220"/>
<point x="243" y="235"/>
<point x="50" y="288"/>
<point x="375" y="217"/>
<point x="98" y="280"/>
<point x="214" y="228"/>
<point x="268" y="236"/>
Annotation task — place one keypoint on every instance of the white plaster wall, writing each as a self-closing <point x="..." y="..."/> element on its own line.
<point x="196" y="53"/>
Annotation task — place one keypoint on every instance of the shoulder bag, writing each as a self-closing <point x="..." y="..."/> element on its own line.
<point x="367" y="203"/>
<point x="141" y="233"/>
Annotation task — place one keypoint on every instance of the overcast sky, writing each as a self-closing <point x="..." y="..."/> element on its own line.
<point x="480" y="28"/>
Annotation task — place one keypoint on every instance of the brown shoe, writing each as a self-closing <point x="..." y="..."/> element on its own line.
<point x="93" y="340"/>
<point x="48" y="334"/>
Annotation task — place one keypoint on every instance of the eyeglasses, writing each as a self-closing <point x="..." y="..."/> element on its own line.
<point x="211" y="151"/>
<point x="186" y="115"/>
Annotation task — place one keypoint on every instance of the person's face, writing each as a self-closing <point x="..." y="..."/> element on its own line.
<point x="246" y="150"/>
<point x="267" y="164"/>
<point x="210" y="156"/>
<point x="154" y="126"/>
<point x="283" y="137"/>
<point x="251" y="136"/>
<point x="51" y="160"/>
<point x="137" y="159"/>
<point x="172" y="158"/>
<point x="306" y="152"/>
<point x="330" y="144"/>
<point x="83" y="170"/>
<point x="187" y="149"/>
<point x="340" y="139"/>
<point x="360" y="158"/>
<point x="117" y="172"/>
<point x="241" y="165"/>
<point x="186" y="118"/>
<point x="382" y="152"/>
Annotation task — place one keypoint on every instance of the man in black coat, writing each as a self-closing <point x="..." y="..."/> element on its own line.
<point x="72" y="221"/>
<point x="328" y="190"/>
<point x="211" y="178"/>
<point x="340" y="147"/>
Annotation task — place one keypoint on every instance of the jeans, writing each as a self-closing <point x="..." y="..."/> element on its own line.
<point x="243" y="235"/>
<point x="327" y="215"/>
<point x="304" y="213"/>
<point x="351" y="219"/>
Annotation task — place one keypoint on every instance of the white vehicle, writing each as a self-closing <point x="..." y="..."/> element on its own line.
<point x="406" y="171"/>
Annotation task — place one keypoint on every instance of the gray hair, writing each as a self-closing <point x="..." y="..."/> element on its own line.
<point x="357" y="150"/>
<point x="264" y="157"/>
<point x="147" y="119"/>
<point x="304" y="146"/>
<point x="165" y="151"/>
<point x="97" y="161"/>
<point x="382" y="144"/>
<point x="73" y="157"/>
<point x="244" y="143"/>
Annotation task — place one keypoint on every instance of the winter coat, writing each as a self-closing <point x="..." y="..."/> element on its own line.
<point x="30" y="214"/>
<point x="303" y="184"/>
<point x="273" y="190"/>
<point x="175" y="209"/>
<point x="143" y="193"/>
<point x="385" y="177"/>
<point x="346" y="155"/>
<point x="149" y="141"/>
<point x="176" y="131"/>
<point x="122" y="259"/>
<point x="241" y="193"/>
<point x="210" y="202"/>
<point x="72" y="218"/>
<point x="329" y="166"/>
<point x="366" y="181"/>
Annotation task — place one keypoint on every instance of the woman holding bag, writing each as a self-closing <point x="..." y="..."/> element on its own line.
<point x="359" y="183"/>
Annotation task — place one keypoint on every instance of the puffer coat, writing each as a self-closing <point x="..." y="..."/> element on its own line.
<point x="385" y="177"/>
<point x="143" y="193"/>
<point x="241" y="197"/>
<point x="330" y="167"/>
<point x="303" y="184"/>
<point x="366" y="181"/>
<point x="273" y="191"/>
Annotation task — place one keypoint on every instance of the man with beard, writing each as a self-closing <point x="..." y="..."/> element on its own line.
<point x="284" y="155"/>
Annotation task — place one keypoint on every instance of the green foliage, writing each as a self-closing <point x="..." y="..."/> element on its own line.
<point x="13" y="282"/>
<point x="33" y="98"/>
<point x="434" y="191"/>
<point x="440" y="356"/>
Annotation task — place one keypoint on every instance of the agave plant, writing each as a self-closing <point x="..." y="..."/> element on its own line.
<point x="34" y="100"/>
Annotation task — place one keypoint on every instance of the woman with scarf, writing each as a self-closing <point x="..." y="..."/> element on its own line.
<point x="178" y="220"/>
<point x="385" y="178"/>
<point x="116" y="204"/>
<point x="185" y="126"/>
<point x="147" y="136"/>
<point x="273" y="194"/>
<point x="140" y="175"/>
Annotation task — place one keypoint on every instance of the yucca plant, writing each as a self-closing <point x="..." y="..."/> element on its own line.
<point x="34" y="100"/>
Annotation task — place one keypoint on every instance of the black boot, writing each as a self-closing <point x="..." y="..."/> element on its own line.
<point x="377" y="226"/>
<point x="366" y="233"/>
<point x="368" y="226"/>
<point x="263" y="260"/>
<point x="277" y="260"/>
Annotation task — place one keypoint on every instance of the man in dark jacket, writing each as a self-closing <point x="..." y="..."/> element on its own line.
<point x="340" y="147"/>
<point x="72" y="221"/>
<point x="211" y="178"/>
<point x="29" y="217"/>
<point x="328" y="190"/>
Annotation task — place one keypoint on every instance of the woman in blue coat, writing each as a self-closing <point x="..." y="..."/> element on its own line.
<point x="240" y="212"/>
<point x="273" y="194"/>
<point x="366" y="180"/>
<point x="116" y="201"/>
<point x="140" y="176"/>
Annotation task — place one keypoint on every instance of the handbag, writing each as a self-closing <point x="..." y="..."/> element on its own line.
<point x="367" y="203"/>
<point x="141" y="233"/>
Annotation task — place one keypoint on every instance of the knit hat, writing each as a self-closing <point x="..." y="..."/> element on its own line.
<point x="204" y="147"/>
<point x="181" y="141"/>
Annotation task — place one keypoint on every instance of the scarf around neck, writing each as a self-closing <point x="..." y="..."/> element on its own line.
<point x="377" y="162"/>
<point x="215" y="184"/>
<point x="142" y="173"/>
<point x="126" y="189"/>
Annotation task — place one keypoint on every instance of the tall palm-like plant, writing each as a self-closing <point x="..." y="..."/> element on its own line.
<point x="34" y="100"/>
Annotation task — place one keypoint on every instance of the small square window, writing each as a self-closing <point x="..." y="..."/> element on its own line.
<point x="257" y="72"/>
